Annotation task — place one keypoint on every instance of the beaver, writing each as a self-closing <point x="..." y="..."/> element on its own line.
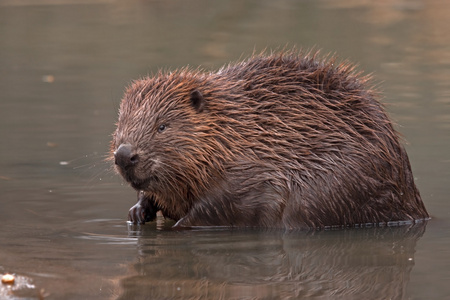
<point x="287" y="139"/>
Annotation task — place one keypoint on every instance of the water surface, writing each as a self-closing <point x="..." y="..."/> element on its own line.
<point x="63" y="68"/>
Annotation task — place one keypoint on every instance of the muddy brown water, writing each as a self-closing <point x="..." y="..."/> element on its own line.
<point x="63" y="68"/>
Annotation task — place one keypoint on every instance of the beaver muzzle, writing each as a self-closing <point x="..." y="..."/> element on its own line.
<point x="126" y="160"/>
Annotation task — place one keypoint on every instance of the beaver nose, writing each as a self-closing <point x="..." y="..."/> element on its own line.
<point x="125" y="157"/>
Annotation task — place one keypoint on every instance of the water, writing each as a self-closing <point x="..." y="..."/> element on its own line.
<point x="63" y="68"/>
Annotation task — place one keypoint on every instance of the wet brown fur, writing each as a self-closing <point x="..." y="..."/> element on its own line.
<point x="283" y="140"/>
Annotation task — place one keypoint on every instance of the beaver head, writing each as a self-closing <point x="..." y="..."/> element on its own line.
<point x="163" y="141"/>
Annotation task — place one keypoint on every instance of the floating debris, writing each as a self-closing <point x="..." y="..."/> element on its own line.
<point x="48" y="78"/>
<point x="52" y="144"/>
<point x="8" y="279"/>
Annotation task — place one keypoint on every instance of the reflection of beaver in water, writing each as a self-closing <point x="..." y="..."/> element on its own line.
<point x="284" y="140"/>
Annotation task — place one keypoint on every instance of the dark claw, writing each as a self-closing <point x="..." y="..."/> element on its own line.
<point x="144" y="210"/>
<point x="137" y="214"/>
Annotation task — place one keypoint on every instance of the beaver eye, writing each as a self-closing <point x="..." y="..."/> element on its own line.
<point x="162" y="127"/>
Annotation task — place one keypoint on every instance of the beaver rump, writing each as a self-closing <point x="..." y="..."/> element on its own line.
<point x="285" y="140"/>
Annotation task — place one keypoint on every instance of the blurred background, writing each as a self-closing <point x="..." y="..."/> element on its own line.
<point x="64" y="65"/>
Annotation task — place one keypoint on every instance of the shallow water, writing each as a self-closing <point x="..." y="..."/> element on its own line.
<point x="63" y="68"/>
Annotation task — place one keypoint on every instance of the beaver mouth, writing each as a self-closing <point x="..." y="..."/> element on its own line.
<point x="137" y="183"/>
<point x="140" y="185"/>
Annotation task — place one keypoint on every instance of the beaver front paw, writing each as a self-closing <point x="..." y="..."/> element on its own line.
<point x="144" y="210"/>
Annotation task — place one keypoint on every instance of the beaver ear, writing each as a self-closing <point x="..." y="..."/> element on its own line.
<point x="197" y="101"/>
